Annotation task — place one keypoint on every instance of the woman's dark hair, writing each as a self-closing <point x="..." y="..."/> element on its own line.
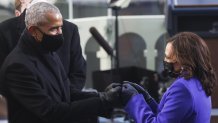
<point x="193" y="54"/>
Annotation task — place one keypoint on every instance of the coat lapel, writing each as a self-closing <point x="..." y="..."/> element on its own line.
<point x="55" y="71"/>
<point x="48" y="76"/>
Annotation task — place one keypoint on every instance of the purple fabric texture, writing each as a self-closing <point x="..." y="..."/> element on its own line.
<point x="184" y="102"/>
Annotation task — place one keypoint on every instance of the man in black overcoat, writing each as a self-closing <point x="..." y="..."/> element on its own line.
<point x="34" y="80"/>
<point x="70" y="52"/>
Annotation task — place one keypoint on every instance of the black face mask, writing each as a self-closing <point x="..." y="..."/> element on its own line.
<point x="51" y="42"/>
<point x="169" y="69"/>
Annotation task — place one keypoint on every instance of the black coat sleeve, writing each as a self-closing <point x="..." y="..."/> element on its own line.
<point x="25" y="88"/>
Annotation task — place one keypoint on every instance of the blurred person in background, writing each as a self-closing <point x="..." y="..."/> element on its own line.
<point x="20" y="6"/>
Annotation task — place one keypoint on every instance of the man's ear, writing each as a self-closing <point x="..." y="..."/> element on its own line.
<point x="34" y="32"/>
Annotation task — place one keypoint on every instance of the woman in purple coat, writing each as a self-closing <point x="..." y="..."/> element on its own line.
<point x="188" y="99"/>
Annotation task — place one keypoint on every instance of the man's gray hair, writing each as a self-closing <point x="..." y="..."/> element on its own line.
<point x="36" y="14"/>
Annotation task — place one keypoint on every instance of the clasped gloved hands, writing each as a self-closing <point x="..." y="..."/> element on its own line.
<point x="130" y="89"/>
<point x="151" y="102"/>
<point x="111" y="95"/>
<point x="127" y="93"/>
<point x="118" y="96"/>
<point x="110" y="99"/>
<point x="140" y="90"/>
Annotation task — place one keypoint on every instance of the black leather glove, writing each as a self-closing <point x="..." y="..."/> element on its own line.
<point x="111" y="95"/>
<point x="111" y="86"/>
<point x="127" y="92"/>
<point x="141" y="90"/>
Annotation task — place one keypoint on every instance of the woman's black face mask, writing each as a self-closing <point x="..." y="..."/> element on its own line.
<point x="169" y="69"/>
<point x="51" y="42"/>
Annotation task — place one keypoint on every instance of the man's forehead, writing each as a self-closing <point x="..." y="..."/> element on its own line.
<point x="53" y="17"/>
<point x="53" y="20"/>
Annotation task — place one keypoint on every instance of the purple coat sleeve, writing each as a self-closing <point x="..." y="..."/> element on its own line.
<point x="177" y="105"/>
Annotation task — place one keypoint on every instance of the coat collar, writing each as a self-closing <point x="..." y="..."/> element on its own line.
<point x="45" y="62"/>
<point x="20" y="25"/>
<point x="29" y="44"/>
